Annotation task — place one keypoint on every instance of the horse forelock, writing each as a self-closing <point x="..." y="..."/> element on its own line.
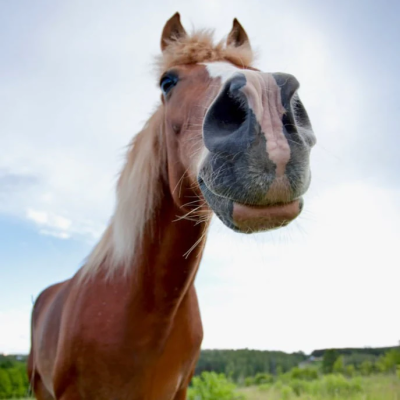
<point x="199" y="47"/>
<point x="138" y="195"/>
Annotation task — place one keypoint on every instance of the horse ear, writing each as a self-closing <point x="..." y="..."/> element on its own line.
<point x="237" y="36"/>
<point x="172" y="31"/>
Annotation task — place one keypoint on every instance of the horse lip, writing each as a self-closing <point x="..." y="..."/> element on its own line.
<point x="260" y="218"/>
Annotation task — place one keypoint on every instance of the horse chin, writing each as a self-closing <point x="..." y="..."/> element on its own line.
<point x="249" y="218"/>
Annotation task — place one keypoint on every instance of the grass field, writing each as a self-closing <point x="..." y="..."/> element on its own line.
<point x="367" y="388"/>
<point x="378" y="387"/>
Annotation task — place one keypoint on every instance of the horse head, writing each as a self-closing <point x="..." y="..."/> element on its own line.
<point x="237" y="137"/>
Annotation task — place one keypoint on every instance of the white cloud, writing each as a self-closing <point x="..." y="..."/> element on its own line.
<point x="332" y="283"/>
<point x="40" y="217"/>
<point x="63" y="228"/>
<point x="59" y="226"/>
<point x="57" y="234"/>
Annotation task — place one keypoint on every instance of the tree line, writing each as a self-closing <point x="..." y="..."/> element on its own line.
<point x="351" y="351"/>
<point x="247" y="367"/>
<point x="239" y="364"/>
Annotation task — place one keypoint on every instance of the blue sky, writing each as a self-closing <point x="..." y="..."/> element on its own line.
<point x="76" y="83"/>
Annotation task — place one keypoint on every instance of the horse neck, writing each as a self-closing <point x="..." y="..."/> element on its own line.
<point x="170" y="254"/>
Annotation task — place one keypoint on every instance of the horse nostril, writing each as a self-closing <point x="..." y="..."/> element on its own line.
<point x="289" y="85"/>
<point x="228" y="111"/>
<point x="226" y="116"/>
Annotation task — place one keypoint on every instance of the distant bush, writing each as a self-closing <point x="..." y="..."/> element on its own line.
<point x="249" y="381"/>
<point x="332" y="385"/>
<point x="335" y="385"/>
<point x="338" y="366"/>
<point x="13" y="380"/>
<point x="349" y="370"/>
<point x="306" y="374"/>
<point x="286" y="393"/>
<point x="261" y="379"/>
<point x="212" y="386"/>
<point x="265" y="386"/>
<point x="390" y="361"/>
<point x="367" y="368"/>
<point x="299" y="387"/>
<point x="5" y="384"/>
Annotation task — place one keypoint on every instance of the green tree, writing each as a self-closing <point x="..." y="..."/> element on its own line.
<point x="349" y="370"/>
<point x="367" y="368"/>
<point x="338" y="366"/>
<point x="330" y="356"/>
<point x="390" y="360"/>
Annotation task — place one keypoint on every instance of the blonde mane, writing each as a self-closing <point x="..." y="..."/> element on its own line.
<point x="139" y="185"/>
<point x="138" y="195"/>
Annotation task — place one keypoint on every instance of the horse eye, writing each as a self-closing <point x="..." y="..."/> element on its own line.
<point x="167" y="83"/>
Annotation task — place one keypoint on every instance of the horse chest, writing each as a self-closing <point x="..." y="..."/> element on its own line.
<point x="123" y="355"/>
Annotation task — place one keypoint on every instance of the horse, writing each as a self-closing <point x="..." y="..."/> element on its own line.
<point x="225" y="139"/>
